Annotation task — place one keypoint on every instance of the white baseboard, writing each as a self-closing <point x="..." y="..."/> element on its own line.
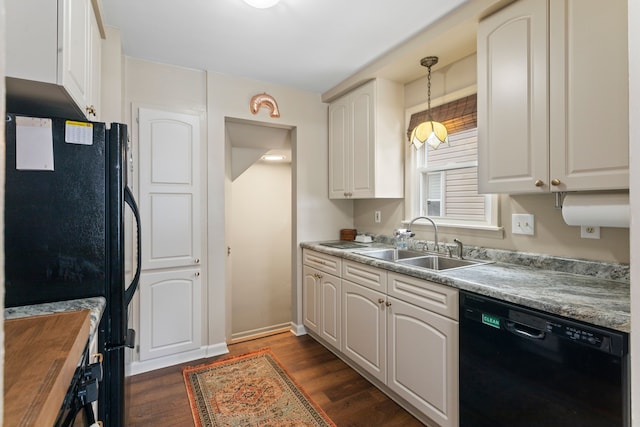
<point x="258" y="333"/>
<point x="139" y="367"/>
<point x="298" y="330"/>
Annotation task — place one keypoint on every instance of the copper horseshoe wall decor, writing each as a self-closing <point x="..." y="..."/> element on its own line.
<point x="263" y="99"/>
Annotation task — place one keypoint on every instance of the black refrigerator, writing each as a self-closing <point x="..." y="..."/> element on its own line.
<point x="65" y="197"/>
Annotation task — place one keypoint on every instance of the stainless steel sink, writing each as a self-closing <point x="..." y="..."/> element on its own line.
<point x="421" y="259"/>
<point x="434" y="262"/>
<point x="392" y="254"/>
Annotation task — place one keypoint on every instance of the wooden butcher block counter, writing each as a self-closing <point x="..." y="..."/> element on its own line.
<point x="41" y="355"/>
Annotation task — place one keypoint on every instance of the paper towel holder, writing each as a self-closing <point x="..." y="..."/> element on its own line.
<point x="559" y="199"/>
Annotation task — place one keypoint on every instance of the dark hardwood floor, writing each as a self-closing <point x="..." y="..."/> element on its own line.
<point x="159" y="398"/>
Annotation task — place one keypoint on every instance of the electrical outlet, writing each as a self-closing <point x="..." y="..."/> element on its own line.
<point x="522" y="224"/>
<point x="589" y="232"/>
<point x="377" y="216"/>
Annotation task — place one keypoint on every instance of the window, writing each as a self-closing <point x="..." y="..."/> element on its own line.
<point x="445" y="181"/>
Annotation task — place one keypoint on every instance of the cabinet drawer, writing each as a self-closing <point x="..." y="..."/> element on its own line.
<point x="428" y="295"/>
<point x="323" y="262"/>
<point x="371" y="277"/>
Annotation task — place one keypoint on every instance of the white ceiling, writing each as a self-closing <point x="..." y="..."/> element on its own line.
<point x="309" y="44"/>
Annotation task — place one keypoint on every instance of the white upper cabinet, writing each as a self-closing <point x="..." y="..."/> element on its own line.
<point x="53" y="58"/>
<point x="589" y="94"/>
<point x="366" y="142"/>
<point x="552" y="97"/>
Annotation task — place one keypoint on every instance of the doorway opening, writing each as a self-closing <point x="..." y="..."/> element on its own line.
<point x="258" y="227"/>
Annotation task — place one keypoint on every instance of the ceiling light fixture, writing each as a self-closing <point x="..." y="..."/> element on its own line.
<point x="262" y="4"/>
<point x="433" y="133"/>
<point x="273" y="157"/>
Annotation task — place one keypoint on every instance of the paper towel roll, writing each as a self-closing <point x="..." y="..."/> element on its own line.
<point x="598" y="210"/>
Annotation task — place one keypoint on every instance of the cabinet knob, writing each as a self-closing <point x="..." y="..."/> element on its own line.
<point x="317" y="276"/>
<point x="90" y="109"/>
<point x="388" y="304"/>
<point x="538" y="183"/>
<point x="197" y="260"/>
<point x="555" y="182"/>
<point x="197" y="274"/>
<point x="380" y="301"/>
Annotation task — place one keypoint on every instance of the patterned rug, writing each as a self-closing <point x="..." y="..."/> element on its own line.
<point x="249" y="390"/>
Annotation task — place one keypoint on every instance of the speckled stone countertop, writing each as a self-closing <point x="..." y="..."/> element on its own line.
<point x="96" y="306"/>
<point x="592" y="292"/>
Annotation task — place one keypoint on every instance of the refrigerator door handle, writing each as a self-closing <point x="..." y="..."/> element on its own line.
<point x="131" y="290"/>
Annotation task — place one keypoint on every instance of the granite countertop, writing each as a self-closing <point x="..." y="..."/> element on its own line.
<point x="95" y="305"/>
<point x="592" y="292"/>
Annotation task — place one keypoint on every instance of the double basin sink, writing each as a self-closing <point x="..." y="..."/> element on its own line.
<point x="421" y="259"/>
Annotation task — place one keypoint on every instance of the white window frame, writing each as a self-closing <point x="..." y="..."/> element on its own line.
<point x="487" y="228"/>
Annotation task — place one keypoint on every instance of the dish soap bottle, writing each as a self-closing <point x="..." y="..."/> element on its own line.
<point x="402" y="236"/>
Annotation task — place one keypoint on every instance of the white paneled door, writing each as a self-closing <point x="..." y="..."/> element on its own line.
<point x="170" y="189"/>
<point x="170" y="312"/>
<point x="172" y="307"/>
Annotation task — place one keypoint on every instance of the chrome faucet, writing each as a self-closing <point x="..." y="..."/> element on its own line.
<point x="435" y="228"/>
<point x="459" y="243"/>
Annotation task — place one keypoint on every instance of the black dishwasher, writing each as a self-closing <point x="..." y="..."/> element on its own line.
<point x="520" y="368"/>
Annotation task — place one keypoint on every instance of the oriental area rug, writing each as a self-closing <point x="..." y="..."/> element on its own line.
<point x="249" y="390"/>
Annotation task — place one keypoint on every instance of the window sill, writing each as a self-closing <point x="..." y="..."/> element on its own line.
<point x="474" y="230"/>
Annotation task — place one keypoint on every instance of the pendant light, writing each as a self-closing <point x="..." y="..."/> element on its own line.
<point x="431" y="132"/>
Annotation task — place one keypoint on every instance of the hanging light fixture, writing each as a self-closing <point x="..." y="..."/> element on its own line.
<point x="431" y="132"/>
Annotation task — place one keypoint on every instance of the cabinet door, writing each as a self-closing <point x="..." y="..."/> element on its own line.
<point x="364" y="328"/>
<point x="362" y="149"/>
<point x="339" y="149"/>
<point x="423" y="360"/>
<point x="93" y="99"/>
<point x="513" y="137"/>
<point x="76" y="44"/>
<point x="330" y="296"/>
<point x="589" y="95"/>
<point x="311" y="298"/>
<point x="170" y="312"/>
<point x="170" y="189"/>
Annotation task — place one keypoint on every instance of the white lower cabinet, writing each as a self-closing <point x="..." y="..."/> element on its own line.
<point x="321" y="304"/>
<point x="399" y="330"/>
<point x="364" y="328"/>
<point x="171" y="316"/>
<point x="422" y="360"/>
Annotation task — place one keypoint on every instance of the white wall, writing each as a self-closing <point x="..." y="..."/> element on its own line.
<point x="314" y="216"/>
<point x="634" y="179"/>
<point x="261" y="249"/>
<point x="111" y="78"/>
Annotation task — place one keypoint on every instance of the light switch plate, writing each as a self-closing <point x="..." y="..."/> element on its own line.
<point x="377" y="216"/>
<point x="522" y="224"/>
